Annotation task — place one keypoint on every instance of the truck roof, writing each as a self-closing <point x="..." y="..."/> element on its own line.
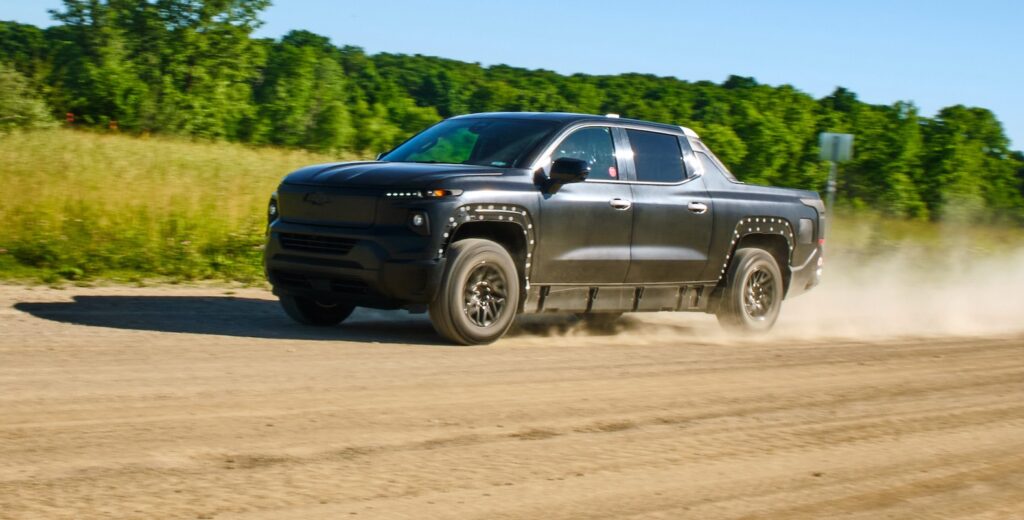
<point x="567" y="118"/>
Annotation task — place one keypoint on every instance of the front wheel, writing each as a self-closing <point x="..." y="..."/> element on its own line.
<point x="752" y="296"/>
<point x="479" y="293"/>
<point x="308" y="311"/>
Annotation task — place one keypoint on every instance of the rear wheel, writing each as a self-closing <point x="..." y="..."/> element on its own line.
<point x="479" y="293"/>
<point x="308" y="311"/>
<point x="752" y="297"/>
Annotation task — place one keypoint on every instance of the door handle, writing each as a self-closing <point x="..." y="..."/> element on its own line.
<point x="620" y="204"/>
<point x="697" y="207"/>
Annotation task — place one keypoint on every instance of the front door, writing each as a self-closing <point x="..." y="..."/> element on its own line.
<point x="672" y="219"/>
<point x="585" y="226"/>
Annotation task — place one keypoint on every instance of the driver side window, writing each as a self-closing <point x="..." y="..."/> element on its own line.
<point x="594" y="145"/>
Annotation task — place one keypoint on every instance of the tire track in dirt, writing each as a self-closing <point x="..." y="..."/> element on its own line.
<point x="109" y="416"/>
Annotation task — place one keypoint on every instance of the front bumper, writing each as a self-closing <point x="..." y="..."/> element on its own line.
<point x="377" y="268"/>
<point x="806" y="277"/>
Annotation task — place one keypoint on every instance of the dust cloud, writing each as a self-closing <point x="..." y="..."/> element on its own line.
<point x="912" y="294"/>
<point x="905" y="293"/>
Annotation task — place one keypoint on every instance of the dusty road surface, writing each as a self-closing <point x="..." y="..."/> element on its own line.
<point x="193" y="403"/>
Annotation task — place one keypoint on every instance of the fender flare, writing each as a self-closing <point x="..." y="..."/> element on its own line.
<point x="759" y="225"/>
<point x="493" y="212"/>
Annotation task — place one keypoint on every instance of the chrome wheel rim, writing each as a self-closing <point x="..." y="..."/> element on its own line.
<point x="485" y="295"/>
<point x="759" y="294"/>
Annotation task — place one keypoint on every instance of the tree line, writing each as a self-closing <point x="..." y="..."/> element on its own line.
<point x="192" y="67"/>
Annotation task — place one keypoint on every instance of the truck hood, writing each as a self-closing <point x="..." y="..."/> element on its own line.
<point x="383" y="174"/>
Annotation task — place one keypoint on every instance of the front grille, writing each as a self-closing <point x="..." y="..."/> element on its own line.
<point x="317" y="243"/>
<point x="304" y="281"/>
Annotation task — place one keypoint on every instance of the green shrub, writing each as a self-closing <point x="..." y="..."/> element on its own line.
<point x="19" y="106"/>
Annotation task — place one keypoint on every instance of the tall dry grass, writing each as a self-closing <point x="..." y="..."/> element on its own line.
<point x="865" y="235"/>
<point x="86" y="205"/>
<point x="79" y="205"/>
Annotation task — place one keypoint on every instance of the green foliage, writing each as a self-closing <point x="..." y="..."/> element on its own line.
<point x="973" y="171"/>
<point x="191" y="67"/>
<point x="25" y="48"/>
<point x="302" y="100"/>
<point x="19" y="107"/>
<point x="183" y="66"/>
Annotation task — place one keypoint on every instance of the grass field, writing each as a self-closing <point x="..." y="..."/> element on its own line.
<point x="80" y="205"/>
<point x="86" y="206"/>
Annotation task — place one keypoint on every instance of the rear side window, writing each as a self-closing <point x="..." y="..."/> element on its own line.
<point x="658" y="157"/>
<point x="711" y="165"/>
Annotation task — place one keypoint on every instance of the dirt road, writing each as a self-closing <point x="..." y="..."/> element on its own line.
<point x="192" y="403"/>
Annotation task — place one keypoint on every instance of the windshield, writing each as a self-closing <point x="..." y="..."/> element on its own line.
<point x="484" y="142"/>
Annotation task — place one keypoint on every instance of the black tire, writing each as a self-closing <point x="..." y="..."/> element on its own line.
<point x="308" y="311"/>
<point x="479" y="293"/>
<point x="752" y="296"/>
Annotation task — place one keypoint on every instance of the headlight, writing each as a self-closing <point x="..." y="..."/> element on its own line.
<point x="272" y="210"/>
<point x="422" y="194"/>
<point x="419" y="222"/>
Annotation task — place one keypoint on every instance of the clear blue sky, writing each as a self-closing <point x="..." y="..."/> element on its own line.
<point x="934" y="53"/>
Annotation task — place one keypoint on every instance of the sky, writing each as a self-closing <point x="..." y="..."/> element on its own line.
<point x="933" y="53"/>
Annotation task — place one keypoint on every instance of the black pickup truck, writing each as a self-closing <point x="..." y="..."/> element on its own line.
<point x="485" y="216"/>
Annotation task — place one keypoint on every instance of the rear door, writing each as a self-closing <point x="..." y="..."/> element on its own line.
<point x="585" y="226"/>
<point x="672" y="211"/>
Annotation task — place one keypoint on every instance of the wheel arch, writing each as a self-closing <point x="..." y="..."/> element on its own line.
<point x="506" y="224"/>
<point x="772" y="234"/>
<point x="508" y="234"/>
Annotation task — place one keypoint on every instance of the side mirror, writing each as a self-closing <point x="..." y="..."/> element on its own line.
<point x="567" y="170"/>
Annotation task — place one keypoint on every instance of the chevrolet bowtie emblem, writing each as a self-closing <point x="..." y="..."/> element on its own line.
<point x="316" y="199"/>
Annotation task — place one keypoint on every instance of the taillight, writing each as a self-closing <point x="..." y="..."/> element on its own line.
<point x="821" y="254"/>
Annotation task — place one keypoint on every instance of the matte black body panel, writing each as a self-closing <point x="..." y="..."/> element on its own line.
<point x="670" y="242"/>
<point x="586" y="240"/>
<point x="381" y="174"/>
<point x="735" y="202"/>
<point x="328" y="205"/>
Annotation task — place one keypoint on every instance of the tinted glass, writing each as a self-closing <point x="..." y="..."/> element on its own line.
<point x="594" y="145"/>
<point x="712" y="166"/>
<point x="715" y="161"/>
<point x="485" y="142"/>
<point x="657" y="156"/>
